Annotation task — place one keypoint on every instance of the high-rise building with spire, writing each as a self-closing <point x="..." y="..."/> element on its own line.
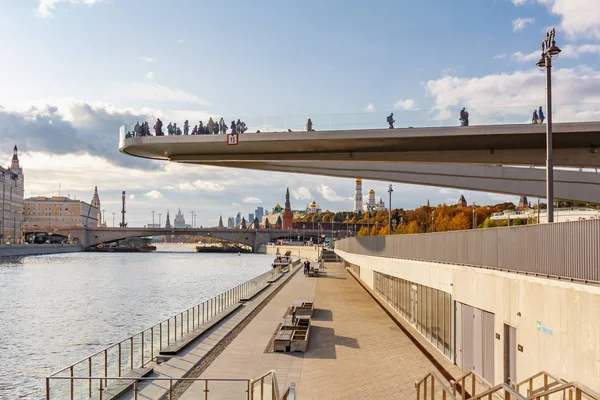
<point x="220" y="222"/>
<point x="179" y="221"/>
<point x="96" y="203"/>
<point x="358" y="198"/>
<point x="288" y="215"/>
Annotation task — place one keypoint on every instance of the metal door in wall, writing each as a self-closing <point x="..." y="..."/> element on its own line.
<point x="487" y="346"/>
<point x="510" y="354"/>
<point x="466" y="334"/>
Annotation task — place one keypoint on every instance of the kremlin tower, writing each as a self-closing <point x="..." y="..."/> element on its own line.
<point x="288" y="216"/>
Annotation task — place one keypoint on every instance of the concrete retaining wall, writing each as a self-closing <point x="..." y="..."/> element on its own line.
<point x="556" y="321"/>
<point x="15" y="250"/>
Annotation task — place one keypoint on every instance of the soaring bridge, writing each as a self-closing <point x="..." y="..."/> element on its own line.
<point x="89" y="237"/>
<point x="486" y="157"/>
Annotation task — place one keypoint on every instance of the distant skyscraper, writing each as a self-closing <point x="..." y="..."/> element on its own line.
<point x="96" y="203"/>
<point x="250" y="217"/>
<point x="238" y="219"/>
<point x="358" y="199"/>
<point x="259" y="213"/>
<point x="179" y="221"/>
<point x="230" y="223"/>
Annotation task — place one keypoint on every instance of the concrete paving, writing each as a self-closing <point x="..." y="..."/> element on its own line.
<point x="355" y="351"/>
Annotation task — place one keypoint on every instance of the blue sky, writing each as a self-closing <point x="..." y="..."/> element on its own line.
<point x="87" y="66"/>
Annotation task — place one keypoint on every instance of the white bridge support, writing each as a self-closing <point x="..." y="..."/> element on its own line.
<point x="568" y="185"/>
<point x="89" y="237"/>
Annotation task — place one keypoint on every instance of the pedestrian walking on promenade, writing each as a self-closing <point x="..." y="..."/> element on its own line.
<point x="534" y="119"/>
<point x="309" y="126"/>
<point x="390" y="121"/>
<point x="464" y="117"/>
<point x="541" y="115"/>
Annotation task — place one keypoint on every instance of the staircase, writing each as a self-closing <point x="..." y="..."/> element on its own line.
<point x="471" y="386"/>
<point x="329" y="256"/>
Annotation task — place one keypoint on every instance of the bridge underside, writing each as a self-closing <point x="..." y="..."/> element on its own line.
<point x="568" y="185"/>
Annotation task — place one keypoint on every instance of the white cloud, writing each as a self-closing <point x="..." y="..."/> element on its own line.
<point x="512" y="97"/>
<point x="180" y="41"/>
<point x="149" y="75"/>
<point x="520" y="23"/>
<point x="153" y="194"/>
<point x="186" y="186"/>
<point x="302" y="193"/>
<point x="209" y="186"/>
<point x="251" y="200"/>
<point x="148" y="59"/>
<point x="406" y="105"/>
<point x="500" y="56"/>
<point x="370" y="108"/>
<point x="579" y="18"/>
<point x="328" y="193"/>
<point x="155" y="92"/>
<point x="46" y="7"/>
<point x="131" y="196"/>
<point x="529" y="57"/>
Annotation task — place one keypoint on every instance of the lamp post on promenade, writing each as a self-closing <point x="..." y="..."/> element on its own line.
<point x="549" y="50"/>
<point x="152" y="218"/>
<point x="159" y="223"/>
<point x="113" y="219"/>
<point x="104" y="216"/>
<point x="390" y="190"/>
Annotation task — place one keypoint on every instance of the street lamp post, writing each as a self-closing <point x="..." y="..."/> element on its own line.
<point x="113" y="219"/>
<point x="390" y="190"/>
<point x="159" y="223"/>
<point x="152" y="218"/>
<point x="549" y="50"/>
<point x="104" y="216"/>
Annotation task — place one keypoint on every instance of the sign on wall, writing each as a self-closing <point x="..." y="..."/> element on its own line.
<point x="232" y="139"/>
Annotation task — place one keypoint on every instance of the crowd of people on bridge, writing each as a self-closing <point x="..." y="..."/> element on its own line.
<point x="210" y="128"/>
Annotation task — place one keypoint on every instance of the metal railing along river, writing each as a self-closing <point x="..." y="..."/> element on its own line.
<point x="142" y="348"/>
<point x="565" y="250"/>
<point x="262" y="388"/>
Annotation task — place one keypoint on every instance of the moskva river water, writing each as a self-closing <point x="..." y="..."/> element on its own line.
<point x="58" y="309"/>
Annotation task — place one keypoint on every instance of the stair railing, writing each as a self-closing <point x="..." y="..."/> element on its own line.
<point x="576" y="391"/>
<point x="429" y="382"/>
<point x="460" y="384"/>
<point x="547" y="382"/>
<point x="504" y="390"/>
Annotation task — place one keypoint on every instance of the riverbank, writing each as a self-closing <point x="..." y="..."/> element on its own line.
<point x="18" y="250"/>
<point x="309" y="252"/>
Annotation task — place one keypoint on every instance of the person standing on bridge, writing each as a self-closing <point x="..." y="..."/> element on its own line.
<point x="186" y="127"/>
<point x="309" y="126"/>
<point x="222" y="126"/>
<point x="390" y="121"/>
<point x="534" y="119"/>
<point x="158" y="127"/>
<point x="464" y="117"/>
<point x="541" y="115"/>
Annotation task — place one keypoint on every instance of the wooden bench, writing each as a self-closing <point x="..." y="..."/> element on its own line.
<point x="117" y="388"/>
<point x="188" y="339"/>
<point x="282" y="340"/>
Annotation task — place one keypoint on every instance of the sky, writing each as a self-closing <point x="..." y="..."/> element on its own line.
<point x="74" y="71"/>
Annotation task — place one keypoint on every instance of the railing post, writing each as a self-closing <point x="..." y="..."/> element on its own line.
<point x="425" y="389"/>
<point x="248" y="393"/>
<point x="160" y="337"/>
<point x="142" y="349"/>
<point x="206" y="389"/>
<point x="101" y="389"/>
<point x="168" y="331"/>
<point x="106" y="366"/>
<point x="530" y="387"/>
<point x="131" y="361"/>
<point x="119" y="363"/>
<point x="472" y="385"/>
<point x="432" y="387"/>
<point x="151" y="343"/>
<point x="262" y="388"/>
<point x="72" y="388"/>
<point x="47" y="388"/>
<point x="181" y="331"/>
<point x="135" y="390"/>
<point x="170" y="389"/>
<point x="545" y="386"/>
<point x="418" y="385"/>
<point x="175" y="330"/>
<point x="193" y="317"/>
<point x="90" y="374"/>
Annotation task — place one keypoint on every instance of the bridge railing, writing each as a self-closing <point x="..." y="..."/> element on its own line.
<point x="142" y="348"/>
<point x="565" y="250"/>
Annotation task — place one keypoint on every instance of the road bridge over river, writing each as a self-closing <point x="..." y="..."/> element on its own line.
<point x="89" y="237"/>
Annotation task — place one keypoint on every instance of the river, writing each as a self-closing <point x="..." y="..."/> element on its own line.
<point x="57" y="309"/>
